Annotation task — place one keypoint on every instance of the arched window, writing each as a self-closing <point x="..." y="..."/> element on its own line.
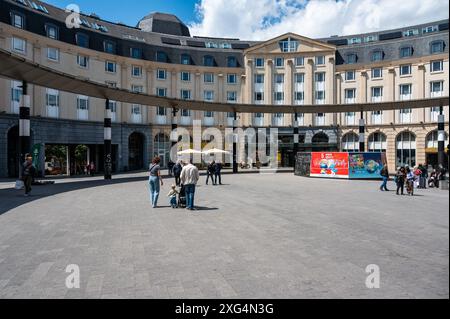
<point x="320" y="138"/>
<point x="377" y="142"/>
<point x="433" y="139"/>
<point x="350" y="142"/>
<point x="406" y="149"/>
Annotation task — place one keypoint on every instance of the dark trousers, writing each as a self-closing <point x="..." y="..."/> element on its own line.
<point x="400" y="187"/>
<point x="218" y="178"/>
<point x="177" y="180"/>
<point x="27" y="180"/>
<point x="209" y="174"/>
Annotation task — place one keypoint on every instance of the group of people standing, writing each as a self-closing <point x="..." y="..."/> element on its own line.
<point x="214" y="171"/>
<point x="410" y="178"/>
<point x="186" y="177"/>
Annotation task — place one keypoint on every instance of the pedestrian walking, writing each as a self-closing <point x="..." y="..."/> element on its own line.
<point x="400" y="178"/>
<point x="210" y="171"/>
<point x="170" y="166"/>
<point x="218" y="173"/>
<point x="28" y="173"/>
<point x="173" y="196"/>
<point x="385" y="175"/>
<point x="92" y="168"/>
<point x="189" y="178"/>
<point x="410" y="180"/>
<point x="155" y="180"/>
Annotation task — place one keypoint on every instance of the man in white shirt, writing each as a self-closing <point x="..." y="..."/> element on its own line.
<point x="189" y="178"/>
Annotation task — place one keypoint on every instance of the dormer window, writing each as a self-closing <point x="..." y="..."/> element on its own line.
<point x="289" y="45"/>
<point x="51" y="31"/>
<point x="82" y="40"/>
<point x="136" y="53"/>
<point x="185" y="59"/>
<point x="109" y="47"/>
<point x="437" y="47"/>
<point x="352" y="58"/>
<point x="376" y="56"/>
<point x="208" y="60"/>
<point x="162" y="57"/>
<point x="232" y="62"/>
<point x="17" y="20"/>
<point x="406" y="52"/>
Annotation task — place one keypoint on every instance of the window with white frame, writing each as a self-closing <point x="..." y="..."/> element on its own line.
<point x="137" y="88"/>
<point x="16" y="93"/>
<point x="350" y="118"/>
<point x="299" y="77"/>
<point x="113" y="109"/>
<point x="161" y="111"/>
<point x="437" y="47"/>
<point x="136" y="109"/>
<point x="405" y="92"/>
<point x="161" y="74"/>
<point x="208" y="95"/>
<point x="231" y="78"/>
<point x="259" y="63"/>
<point x="279" y="62"/>
<point x="436" y="88"/>
<point x="185" y="113"/>
<point x="406" y="149"/>
<point x="405" y="69"/>
<point x="83" y="61"/>
<point x="185" y="76"/>
<point x="299" y="61"/>
<point x="208" y="77"/>
<point x="53" y="54"/>
<point x="259" y="78"/>
<point x="279" y="78"/>
<point x="320" y="76"/>
<point x="405" y="116"/>
<point x="377" y="117"/>
<point x="136" y="71"/>
<point x="437" y="66"/>
<point x="434" y="113"/>
<point x="83" y="107"/>
<point x="110" y="67"/>
<point x="350" y="76"/>
<point x="161" y="92"/>
<point x="19" y="45"/>
<point x="278" y="96"/>
<point x="320" y="97"/>
<point x="259" y="97"/>
<point x="17" y="20"/>
<point x="350" y="142"/>
<point x="231" y="96"/>
<point x="350" y="96"/>
<point x="185" y="94"/>
<point x="377" y="73"/>
<point x="288" y="45"/>
<point x="299" y="97"/>
<point x="52" y="102"/>
<point x="51" y="31"/>
<point x="377" y="94"/>
<point x="320" y="119"/>
<point x="320" y="60"/>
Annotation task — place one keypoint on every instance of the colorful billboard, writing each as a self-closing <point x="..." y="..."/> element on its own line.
<point x="366" y="165"/>
<point x="329" y="164"/>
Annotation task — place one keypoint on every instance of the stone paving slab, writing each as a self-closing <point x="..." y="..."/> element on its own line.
<point x="257" y="236"/>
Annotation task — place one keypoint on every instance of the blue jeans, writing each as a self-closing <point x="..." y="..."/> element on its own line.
<point x="190" y="192"/>
<point x="173" y="201"/>
<point x="384" y="185"/>
<point x="154" y="189"/>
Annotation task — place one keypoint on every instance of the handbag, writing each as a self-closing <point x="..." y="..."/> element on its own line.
<point x="19" y="185"/>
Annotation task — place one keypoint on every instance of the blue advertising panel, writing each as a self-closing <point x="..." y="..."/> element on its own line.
<point x="366" y="165"/>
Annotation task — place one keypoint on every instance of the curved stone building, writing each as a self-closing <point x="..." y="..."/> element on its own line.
<point x="160" y="57"/>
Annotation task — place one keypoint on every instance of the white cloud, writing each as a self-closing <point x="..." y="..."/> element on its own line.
<point x="265" y="19"/>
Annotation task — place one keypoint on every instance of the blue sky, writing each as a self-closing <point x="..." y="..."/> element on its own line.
<point x="131" y="11"/>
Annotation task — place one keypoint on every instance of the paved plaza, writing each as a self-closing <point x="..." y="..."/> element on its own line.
<point x="257" y="236"/>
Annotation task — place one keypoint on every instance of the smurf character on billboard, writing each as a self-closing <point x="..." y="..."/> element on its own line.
<point x="332" y="168"/>
<point x="323" y="166"/>
<point x="328" y="167"/>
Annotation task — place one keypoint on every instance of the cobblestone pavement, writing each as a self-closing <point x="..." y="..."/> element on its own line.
<point x="257" y="236"/>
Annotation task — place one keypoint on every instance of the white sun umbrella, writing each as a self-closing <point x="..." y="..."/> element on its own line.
<point x="189" y="152"/>
<point x="215" y="151"/>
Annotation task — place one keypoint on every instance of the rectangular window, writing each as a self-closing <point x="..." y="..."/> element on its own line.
<point x="259" y="97"/>
<point x="160" y="111"/>
<point x="208" y="77"/>
<point x="405" y="115"/>
<point x="19" y="45"/>
<point x="232" y="78"/>
<point x="279" y="78"/>
<point x="137" y="88"/>
<point x="16" y="93"/>
<point x="231" y="96"/>
<point x="429" y="29"/>
<point x="320" y="95"/>
<point x="437" y="66"/>
<point x="259" y="78"/>
<point x="82" y="40"/>
<point x="83" y="107"/>
<point x="320" y="60"/>
<point x="405" y="69"/>
<point x="377" y="94"/>
<point x="259" y="62"/>
<point x="185" y="113"/>
<point x="161" y="74"/>
<point x="437" y="47"/>
<point x="208" y="96"/>
<point x="185" y="94"/>
<point x="320" y="77"/>
<point x="405" y="91"/>
<point x="354" y="40"/>
<point x="437" y="88"/>
<point x="406" y="52"/>
<point x="136" y="109"/>
<point x="109" y="47"/>
<point x="136" y="53"/>
<point x="136" y="71"/>
<point x="299" y="96"/>
<point x="52" y="102"/>
<point x="53" y="54"/>
<point x="83" y="61"/>
<point x="299" y="61"/>
<point x="161" y="92"/>
<point x="279" y="62"/>
<point x="350" y="95"/>
<point x="51" y="31"/>
<point x="278" y="96"/>
<point x="376" y="56"/>
<point x="185" y="59"/>
<point x="299" y="77"/>
<point x="185" y="76"/>
<point x="350" y="76"/>
<point x="110" y="67"/>
<point x="377" y="73"/>
<point x="18" y="20"/>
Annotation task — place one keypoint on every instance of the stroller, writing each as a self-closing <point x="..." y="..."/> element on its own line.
<point x="182" y="197"/>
